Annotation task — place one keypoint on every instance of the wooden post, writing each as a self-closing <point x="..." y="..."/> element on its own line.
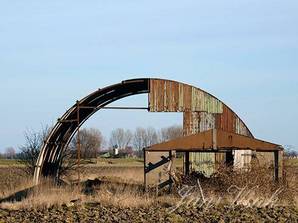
<point x="186" y="163"/>
<point x="170" y="169"/>
<point x="145" y="174"/>
<point x="276" y="165"/>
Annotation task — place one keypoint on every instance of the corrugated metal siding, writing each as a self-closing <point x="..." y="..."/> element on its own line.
<point x="202" y="112"/>
<point x="191" y="123"/>
<point x="195" y="122"/>
<point x="171" y="96"/>
<point x="203" y="162"/>
<point x="207" y="121"/>
<point x="242" y="158"/>
<point x="226" y="120"/>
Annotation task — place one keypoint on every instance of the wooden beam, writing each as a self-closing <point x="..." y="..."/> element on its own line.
<point x="152" y="166"/>
<point x="276" y="165"/>
<point x="164" y="184"/>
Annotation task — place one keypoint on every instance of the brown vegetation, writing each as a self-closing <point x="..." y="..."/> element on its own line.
<point x="120" y="189"/>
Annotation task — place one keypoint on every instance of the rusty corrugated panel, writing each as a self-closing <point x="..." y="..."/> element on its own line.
<point x="195" y="122"/>
<point x="207" y="121"/>
<point x="187" y="100"/>
<point x="242" y="159"/>
<point x="219" y="159"/>
<point x="226" y="120"/>
<point x="201" y="110"/>
<point x="171" y="96"/>
<point x="240" y="127"/>
<point x="191" y="123"/>
<point x="203" y="162"/>
<point x="215" y="139"/>
<point x="181" y="97"/>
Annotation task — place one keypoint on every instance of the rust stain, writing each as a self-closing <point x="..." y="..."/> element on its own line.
<point x="171" y="96"/>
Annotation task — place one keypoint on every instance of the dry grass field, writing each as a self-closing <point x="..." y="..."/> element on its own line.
<point x="111" y="191"/>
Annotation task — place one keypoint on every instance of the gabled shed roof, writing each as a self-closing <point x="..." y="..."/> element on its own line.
<point x="215" y="140"/>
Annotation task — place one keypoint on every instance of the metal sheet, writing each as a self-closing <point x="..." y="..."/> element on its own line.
<point x="202" y="112"/>
<point x="191" y="123"/>
<point x="171" y="96"/>
<point x="242" y="159"/>
<point x="226" y="120"/>
<point x="205" y="141"/>
<point x="203" y="162"/>
<point x="207" y="121"/>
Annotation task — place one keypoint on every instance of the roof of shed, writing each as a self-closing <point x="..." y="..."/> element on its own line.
<point x="215" y="140"/>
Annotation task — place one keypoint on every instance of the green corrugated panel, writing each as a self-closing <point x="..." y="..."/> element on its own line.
<point x="203" y="162"/>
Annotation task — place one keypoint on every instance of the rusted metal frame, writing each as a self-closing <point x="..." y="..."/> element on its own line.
<point x="152" y="166"/>
<point x="78" y="143"/>
<point x="126" y="108"/>
<point x="98" y="97"/>
<point x="67" y="120"/>
<point x="109" y="107"/>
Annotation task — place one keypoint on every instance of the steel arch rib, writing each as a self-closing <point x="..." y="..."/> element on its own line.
<point x="49" y="157"/>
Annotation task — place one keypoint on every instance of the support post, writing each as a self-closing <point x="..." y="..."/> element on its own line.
<point x="78" y="142"/>
<point x="186" y="163"/>
<point x="276" y="165"/>
<point x="170" y="169"/>
<point x="145" y="172"/>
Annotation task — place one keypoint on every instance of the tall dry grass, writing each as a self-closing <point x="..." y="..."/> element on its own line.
<point x="123" y="187"/>
<point x="257" y="183"/>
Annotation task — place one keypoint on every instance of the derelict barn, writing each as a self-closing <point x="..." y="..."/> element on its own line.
<point x="213" y="133"/>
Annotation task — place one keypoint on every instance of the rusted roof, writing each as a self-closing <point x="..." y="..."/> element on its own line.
<point x="215" y="140"/>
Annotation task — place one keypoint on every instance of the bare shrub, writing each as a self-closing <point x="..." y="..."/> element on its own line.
<point x="30" y="150"/>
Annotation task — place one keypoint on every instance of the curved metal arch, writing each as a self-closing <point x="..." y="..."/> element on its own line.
<point x="50" y="155"/>
<point x="49" y="158"/>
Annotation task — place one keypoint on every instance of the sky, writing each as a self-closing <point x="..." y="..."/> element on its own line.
<point x="53" y="53"/>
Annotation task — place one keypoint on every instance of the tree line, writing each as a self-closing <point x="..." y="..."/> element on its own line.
<point x="92" y="142"/>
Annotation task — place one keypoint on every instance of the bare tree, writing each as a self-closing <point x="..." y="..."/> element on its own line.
<point x="10" y="153"/>
<point x="152" y="136"/>
<point x="120" y="138"/>
<point x="30" y="150"/>
<point x="143" y="138"/>
<point x="170" y="133"/>
<point x="139" y="138"/>
<point x="91" y="141"/>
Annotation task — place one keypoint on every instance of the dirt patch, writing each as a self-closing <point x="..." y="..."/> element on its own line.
<point x="96" y="212"/>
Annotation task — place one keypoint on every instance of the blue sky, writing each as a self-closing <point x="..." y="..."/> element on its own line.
<point x="55" y="52"/>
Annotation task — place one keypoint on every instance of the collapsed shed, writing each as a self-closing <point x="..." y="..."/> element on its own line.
<point x="211" y="141"/>
<point x="213" y="135"/>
